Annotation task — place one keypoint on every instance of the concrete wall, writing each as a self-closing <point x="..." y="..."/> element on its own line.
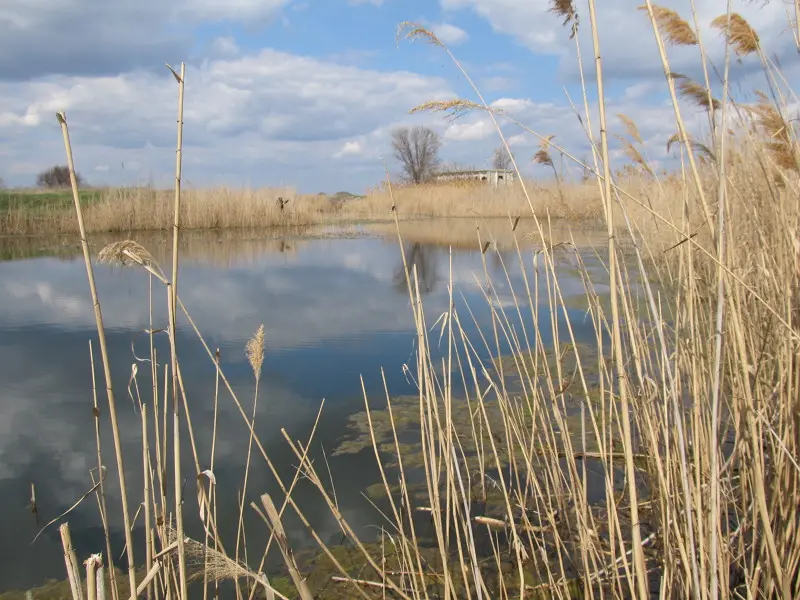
<point x="490" y="176"/>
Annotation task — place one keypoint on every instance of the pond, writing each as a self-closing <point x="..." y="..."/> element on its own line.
<point x="335" y="309"/>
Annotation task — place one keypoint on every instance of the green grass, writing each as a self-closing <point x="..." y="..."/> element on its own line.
<point x="37" y="200"/>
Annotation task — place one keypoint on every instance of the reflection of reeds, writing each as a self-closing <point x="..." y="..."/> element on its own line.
<point x="467" y="234"/>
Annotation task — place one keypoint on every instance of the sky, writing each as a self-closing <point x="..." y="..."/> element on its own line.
<point x="305" y="93"/>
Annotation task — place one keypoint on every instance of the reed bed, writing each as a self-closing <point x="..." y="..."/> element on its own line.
<point x="147" y="209"/>
<point x="661" y="461"/>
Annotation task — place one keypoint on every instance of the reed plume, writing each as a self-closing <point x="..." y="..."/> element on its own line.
<point x="672" y="26"/>
<point x="695" y="92"/>
<point x="630" y="127"/>
<point x="780" y="145"/>
<point x="633" y="153"/>
<point x="408" y="30"/>
<point x="255" y="351"/>
<point x="566" y="9"/>
<point x="742" y="37"/>
<point x="705" y="151"/>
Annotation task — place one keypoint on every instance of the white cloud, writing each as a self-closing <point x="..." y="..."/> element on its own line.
<point x="464" y="132"/>
<point x="497" y="83"/>
<point x="627" y="41"/>
<point x="113" y="37"/>
<point x="450" y="34"/>
<point x="224" y="47"/>
<point x="251" y="113"/>
<point x="351" y="148"/>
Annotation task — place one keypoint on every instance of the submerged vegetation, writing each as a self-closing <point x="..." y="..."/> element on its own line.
<point x="661" y="461"/>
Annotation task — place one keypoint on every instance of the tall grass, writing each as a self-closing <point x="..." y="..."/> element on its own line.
<point x="137" y="209"/>
<point x="147" y="209"/>
<point x="665" y="464"/>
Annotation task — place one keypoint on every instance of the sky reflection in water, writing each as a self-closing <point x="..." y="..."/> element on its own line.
<point x="333" y="310"/>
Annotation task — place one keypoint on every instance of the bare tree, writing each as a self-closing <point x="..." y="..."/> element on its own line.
<point x="417" y="150"/>
<point x="55" y="177"/>
<point x="501" y="159"/>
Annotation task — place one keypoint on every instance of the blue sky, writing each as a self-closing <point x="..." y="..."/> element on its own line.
<point x="306" y="93"/>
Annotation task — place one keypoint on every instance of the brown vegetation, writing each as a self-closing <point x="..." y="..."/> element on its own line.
<point x="145" y="209"/>
<point x="684" y="413"/>
<point x="138" y="209"/>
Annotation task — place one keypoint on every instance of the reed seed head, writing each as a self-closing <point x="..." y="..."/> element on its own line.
<point x="126" y="252"/>
<point x="566" y="9"/>
<point x="255" y="351"/>
<point x="742" y="37"/>
<point x="780" y="145"/>
<point x="454" y="108"/>
<point x="695" y="92"/>
<point x="411" y="31"/>
<point x="672" y="26"/>
<point x="704" y="150"/>
<point x="544" y="143"/>
<point x="632" y="153"/>
<point x="542" y="157"/>
<point x="206" y="560"/>
<point x="630" y="127"/>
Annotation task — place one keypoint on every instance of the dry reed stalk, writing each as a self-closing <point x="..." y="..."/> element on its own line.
<point x="112" y="408"/>
<point x="254" y="350"/>
<point x="148" y="542"/>
<point x="101" y="496"/>
<point x="71" y="562"/>
<point x="172" y="295"/>
<point x="213" y="496"/>
<point x="679" y="117"/>
<point x="285" y="503"/>
<point x="94" y="572"/>
<point x="640" y="570"/>
<point x="100" y="582"/>
<point x="273" y="519"/>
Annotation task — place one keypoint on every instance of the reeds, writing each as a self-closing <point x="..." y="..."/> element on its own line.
<point x="648" y="461"/>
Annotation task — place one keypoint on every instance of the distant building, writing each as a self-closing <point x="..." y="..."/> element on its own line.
<point x="493" y="177"/>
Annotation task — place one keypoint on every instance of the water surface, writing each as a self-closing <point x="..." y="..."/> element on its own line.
<point x="334" y="309"/>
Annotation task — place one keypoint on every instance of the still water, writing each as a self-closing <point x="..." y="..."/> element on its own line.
<point x="335" y="309"/>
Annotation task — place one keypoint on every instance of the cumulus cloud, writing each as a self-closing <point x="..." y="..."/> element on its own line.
<point x="450" y="34"/>
<point x="627" y="41"/>
<point x="269" y="108"/>
<point x="224" y="47"/>
<point x="477" y="130"/>
<point x="269" y="117"/>
<point x="114" y="37"/>
<point x="350" y="148"/>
